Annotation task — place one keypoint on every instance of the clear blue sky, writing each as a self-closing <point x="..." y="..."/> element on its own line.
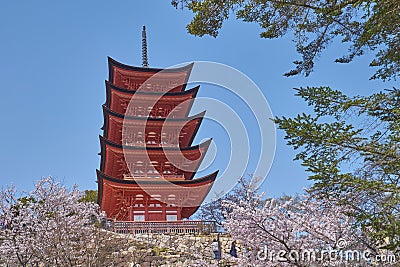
<point x="54" y="63"/>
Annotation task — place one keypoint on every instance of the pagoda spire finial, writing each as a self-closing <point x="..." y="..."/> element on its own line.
<point x="145" y="63"/>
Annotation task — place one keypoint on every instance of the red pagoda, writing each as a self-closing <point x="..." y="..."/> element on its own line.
<point x="148" y="162"/>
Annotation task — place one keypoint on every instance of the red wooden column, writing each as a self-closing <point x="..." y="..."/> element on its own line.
<point x="164" y="210"/>
<point x="146" y="201"/>
<point x="130" y="212"/>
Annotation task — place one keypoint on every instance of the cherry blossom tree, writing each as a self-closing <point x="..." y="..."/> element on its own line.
<point x="216" y="211"/>
<point x="296" y="231"/>
<point x="17" y="233"/>
<point x="51" y="227"/>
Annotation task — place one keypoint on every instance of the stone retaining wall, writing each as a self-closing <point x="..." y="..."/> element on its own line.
<point x="177" y="250"/>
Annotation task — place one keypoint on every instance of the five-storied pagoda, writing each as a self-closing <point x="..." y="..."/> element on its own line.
<point x="148" y="162"/>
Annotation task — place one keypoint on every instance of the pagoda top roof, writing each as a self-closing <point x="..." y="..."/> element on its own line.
<point x="141" y="74"/>
<point x="112" y="62"/>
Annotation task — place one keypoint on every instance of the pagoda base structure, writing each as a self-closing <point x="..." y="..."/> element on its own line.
<point x="149" y="199"/>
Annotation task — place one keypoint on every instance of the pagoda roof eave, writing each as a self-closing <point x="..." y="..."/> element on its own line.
<point x="108" y="115"/>
<point x="192" y="91"/>
<point x="208" y="179"/>
<point x="104" y="141"/>
<point x="108" y="111"/>
<point x="201" y="148"/>
<point x="112" y="62"/>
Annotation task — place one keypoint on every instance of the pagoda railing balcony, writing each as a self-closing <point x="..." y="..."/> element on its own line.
<point x="176" y="227"/>
<point x="165" y="176"/>
<point x="152" y="144"/>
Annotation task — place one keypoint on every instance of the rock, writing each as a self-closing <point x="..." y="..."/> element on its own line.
<point x="176" y="249"/>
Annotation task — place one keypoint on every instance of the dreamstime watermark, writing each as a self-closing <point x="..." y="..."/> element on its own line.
<point x="339" y="255"/>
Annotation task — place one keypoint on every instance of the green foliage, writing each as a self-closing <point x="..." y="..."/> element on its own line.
<point x="156" y="251"/>
<point x="90" y="196"/>
<point x="21" y="203"/>
<point x="351" y="147"/>
<point x="364" y="24"/>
